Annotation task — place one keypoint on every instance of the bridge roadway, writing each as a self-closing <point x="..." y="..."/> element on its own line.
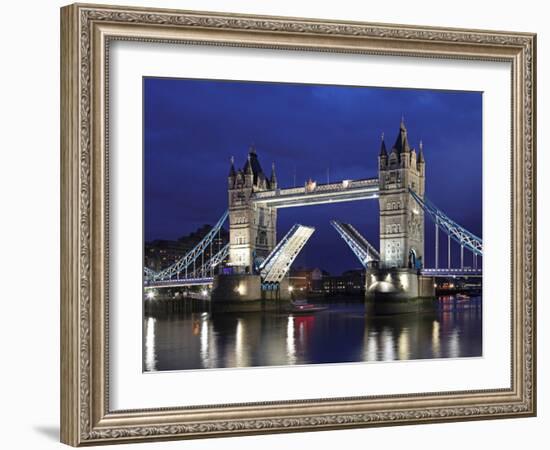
<point x="318" y="194"/>
<point x="182" y="282"/>
<point x="447" y="273"/>
<point x="206" y="281"/>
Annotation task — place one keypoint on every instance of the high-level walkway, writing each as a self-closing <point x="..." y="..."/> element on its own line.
<point x="318" y="194"/>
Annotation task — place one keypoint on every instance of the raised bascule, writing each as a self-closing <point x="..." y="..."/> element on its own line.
<point x="251" y="271"/>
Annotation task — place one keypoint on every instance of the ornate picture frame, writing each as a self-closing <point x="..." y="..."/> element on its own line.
<point x="86" y="34"/>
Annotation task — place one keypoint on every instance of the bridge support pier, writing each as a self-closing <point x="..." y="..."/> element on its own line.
<point x="243" y="293"/>
<point x="396" y="291"/>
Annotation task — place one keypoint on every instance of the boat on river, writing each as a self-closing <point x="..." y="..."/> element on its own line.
<point x="303" y="307"/>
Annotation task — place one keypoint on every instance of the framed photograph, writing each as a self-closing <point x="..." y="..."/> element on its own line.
<point x="275" y="224"/>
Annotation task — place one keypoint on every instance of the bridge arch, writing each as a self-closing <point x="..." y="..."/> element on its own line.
<point x="412" y="258"/>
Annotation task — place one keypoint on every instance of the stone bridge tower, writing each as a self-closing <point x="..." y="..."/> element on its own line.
<point x="401" y="219"/>
<point x="252" y="227"/>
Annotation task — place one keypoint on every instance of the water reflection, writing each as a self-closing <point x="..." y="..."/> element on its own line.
<point x="435" y="339"/>
<point x="204" y="333"/>
<point x="150" y="351"/>
<point x="403" y="344"/>
<point x="342" y="333"/>
<point x="371" y="345"/>
<point x="290" y="343"/>
<point x="388" y="345"/>
<point x="241" y="354"/>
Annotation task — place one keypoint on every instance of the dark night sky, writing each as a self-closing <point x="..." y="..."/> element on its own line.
<point x="193" y="127"/>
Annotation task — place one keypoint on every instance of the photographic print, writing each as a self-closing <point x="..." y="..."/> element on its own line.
<point x="313" y="205"/>
<point x="294" y="224"/>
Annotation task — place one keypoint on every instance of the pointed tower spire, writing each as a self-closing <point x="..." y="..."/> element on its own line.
<point x="232" y="174"/>
<point x="383" y="151"/>
<point x="249" y="172"/>
<point x="401" y="143"/>
<point x="248" y="169"/>
<point x="273" y="177"/>
<point x="232" y="168"/>
<point x="421" y="154"/>
<point x="252" y="148"/>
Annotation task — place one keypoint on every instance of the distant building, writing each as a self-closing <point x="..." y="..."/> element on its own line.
<point x="306" y="279"/>
<point x="162" y="253"/>
<point x="349" y="283"/>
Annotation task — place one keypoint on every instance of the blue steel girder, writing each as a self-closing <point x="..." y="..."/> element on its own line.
<point x="458" y="233"/>
<point x="213" y="262"/>
<point x="186" y="262"/>
<point x="148" y="273"/>
<point x="361" y="248"/>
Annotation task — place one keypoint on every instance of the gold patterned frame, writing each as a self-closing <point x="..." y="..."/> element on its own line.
<point x="86" y="31"/>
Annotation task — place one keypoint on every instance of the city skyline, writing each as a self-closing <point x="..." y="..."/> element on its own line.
<point x="193" y="127"/>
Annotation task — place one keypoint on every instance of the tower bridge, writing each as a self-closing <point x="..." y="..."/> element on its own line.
<point x="252" y="268"/>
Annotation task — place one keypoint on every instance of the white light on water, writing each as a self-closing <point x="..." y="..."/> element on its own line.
<point x="151" y="295"/>
<point x="454" y="344"/>
<point x="290" y="342"/>
<point x="150" y="351"/>
<point x="241" y="348"/>
<point x="403" y="345"/>
<point x="388" y="348"/>
<point x="204" y="343"/>
<point x="436" y="345"/>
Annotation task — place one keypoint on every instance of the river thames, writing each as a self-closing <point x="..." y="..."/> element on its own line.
<point x="342" y="333"/>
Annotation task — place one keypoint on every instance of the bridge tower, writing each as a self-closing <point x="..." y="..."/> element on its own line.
<point x="401" y="220"/>
<point x="252" y="227"/>
<point x="395" y="285"/>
